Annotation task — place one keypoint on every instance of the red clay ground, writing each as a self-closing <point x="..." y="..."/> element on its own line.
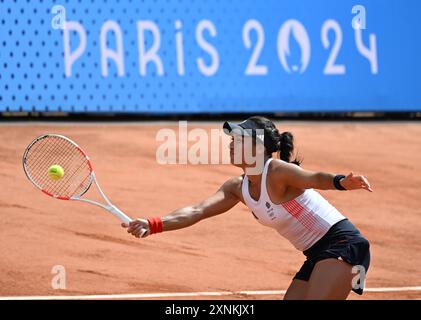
<point x="230" y="252"/>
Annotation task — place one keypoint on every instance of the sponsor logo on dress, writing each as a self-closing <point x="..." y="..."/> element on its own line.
<point x="270" y="211"/>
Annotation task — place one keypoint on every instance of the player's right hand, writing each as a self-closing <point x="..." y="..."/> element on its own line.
<point x="137" y="228"/>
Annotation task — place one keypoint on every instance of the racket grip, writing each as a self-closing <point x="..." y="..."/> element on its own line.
<point x="143" y="232"/>
<point x="124" y="218"/>
<point x="120" y="214"/>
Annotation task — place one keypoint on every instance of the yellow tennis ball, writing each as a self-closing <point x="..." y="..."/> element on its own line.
<point x="55" y="172"/>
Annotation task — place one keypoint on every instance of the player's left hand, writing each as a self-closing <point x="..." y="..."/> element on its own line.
<point x="137" y="227"/>
<point x="351" y="182"/>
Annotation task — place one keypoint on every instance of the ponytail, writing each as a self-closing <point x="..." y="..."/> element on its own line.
<point x="275" y="141"/>
<point x="286" y="147"/>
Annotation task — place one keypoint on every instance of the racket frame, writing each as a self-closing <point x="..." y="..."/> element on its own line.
<point x="109" y="206"/>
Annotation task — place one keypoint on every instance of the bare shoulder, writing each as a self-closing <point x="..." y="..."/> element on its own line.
<point x="233" y="185"/>
<point x="279" y="168"/>
<point x="278" y="165"/>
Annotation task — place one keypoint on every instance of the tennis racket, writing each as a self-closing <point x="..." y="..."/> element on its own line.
<point x="54" y="149"/>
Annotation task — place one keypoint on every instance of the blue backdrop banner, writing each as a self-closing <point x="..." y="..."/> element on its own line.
<point x="210" y="56"/>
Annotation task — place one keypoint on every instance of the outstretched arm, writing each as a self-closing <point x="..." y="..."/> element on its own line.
<point x="291" y="174"/>
<point x="221" y="201"/>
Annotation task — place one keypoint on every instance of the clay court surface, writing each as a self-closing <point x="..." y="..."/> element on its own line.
<point x="230" y="252"/>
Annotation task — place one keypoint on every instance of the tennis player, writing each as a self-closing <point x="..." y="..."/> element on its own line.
<point x="283" y="197"/>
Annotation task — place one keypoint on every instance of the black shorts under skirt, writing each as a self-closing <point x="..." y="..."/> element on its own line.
<point x="343" y="240"/>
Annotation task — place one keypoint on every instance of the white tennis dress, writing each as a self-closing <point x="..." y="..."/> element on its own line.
<point x="303" y="220"/>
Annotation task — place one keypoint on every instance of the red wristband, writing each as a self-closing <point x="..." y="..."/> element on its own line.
<point x="155" y="225"/>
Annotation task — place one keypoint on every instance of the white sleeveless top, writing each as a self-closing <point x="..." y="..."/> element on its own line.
<point x="303" y="220"/>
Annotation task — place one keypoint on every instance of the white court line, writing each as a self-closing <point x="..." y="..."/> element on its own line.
<point x="186" y="294"/>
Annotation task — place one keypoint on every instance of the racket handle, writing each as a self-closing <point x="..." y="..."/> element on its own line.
<point x="120" y="214"/>
<point x="143" y="232"/>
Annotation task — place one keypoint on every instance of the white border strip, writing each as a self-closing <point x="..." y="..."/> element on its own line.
<point x="186" y="294"/>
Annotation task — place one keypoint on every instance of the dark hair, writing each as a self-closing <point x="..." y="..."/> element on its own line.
<point x="275" y="141"/>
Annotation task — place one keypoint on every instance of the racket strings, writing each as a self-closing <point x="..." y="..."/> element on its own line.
<point x="73" y="188"/>
<point x="76" y="165"/>
<point x="40" y="155"/>
<point x="56" y="150"/>
<point x="37" y="154"/>
<point x="42" y="149"/>
<point x="39" y="159"/>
